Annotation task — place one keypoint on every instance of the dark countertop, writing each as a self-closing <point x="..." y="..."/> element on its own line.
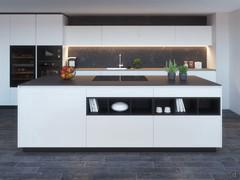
<point x="88" y="81"/>
<point x="141" y="69"/>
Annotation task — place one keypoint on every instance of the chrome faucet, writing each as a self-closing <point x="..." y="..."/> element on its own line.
<point x="120" y="64"/>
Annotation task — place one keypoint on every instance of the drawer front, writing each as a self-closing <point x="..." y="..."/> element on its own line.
<point x="119" y="91"/>
<point x="188" y="91"/>
<point x="56" y="118"/>
<point x="119" y="131"/>
<point x="188" y="131"/>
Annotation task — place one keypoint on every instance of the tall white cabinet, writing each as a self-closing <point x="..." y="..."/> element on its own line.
<point x="22" y="33"/>
<point x="40" y="29"/>
<point x="25" y="30"/>
<point x="4" y="59"/>
<point x="49" y="29"/>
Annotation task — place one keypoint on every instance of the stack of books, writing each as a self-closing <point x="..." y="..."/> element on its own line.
<point x="180" y="105"/>
<point x="93" y="105"/>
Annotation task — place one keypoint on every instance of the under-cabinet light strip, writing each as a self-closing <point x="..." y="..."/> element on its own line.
<point x="136" y="46"/>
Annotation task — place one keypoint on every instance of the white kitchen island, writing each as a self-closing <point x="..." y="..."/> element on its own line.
<point x="53" y="113"/>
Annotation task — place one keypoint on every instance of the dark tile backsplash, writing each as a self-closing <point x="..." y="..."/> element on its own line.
<point x="102" y="57"/>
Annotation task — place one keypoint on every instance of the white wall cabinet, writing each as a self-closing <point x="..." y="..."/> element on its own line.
<point x="23" y="30"/>
<point x="4" y="59"/>
<point x="83" y="35"/>
<point x="119" y="131"/>
<point x="120" y="35"/>
<point x="57" y="118"/>
<point x="193" y="35"/>
<point x="157" y="35"/>
<point x="49" y="29"/>
<point x="138" y="35"/>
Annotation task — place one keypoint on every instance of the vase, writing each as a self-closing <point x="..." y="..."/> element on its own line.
<point x="171" y="76"/>
<point x="183" y="76"/>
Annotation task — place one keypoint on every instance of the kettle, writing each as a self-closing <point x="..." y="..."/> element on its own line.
<point x="71" y="61"/>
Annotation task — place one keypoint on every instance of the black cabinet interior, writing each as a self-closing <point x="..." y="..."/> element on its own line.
<point x="103" y="105"/>
<point x="147" y="106"/>
<point x="208" y="106"/>
<point x="22" y="64"/>
<point x="191" y="105"/>
<point x="141" y="106"/>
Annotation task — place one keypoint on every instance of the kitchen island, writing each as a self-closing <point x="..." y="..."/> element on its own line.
<point x="55" y="113"/>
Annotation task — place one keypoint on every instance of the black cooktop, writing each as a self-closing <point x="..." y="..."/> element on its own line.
<point x="120" y="78"/>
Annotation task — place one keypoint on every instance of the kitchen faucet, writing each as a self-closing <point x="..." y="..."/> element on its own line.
<point x="120" y="64"/>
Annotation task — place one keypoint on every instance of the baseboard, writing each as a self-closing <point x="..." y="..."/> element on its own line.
<point x="119" y="149"/>
<point x="8" y="107"/>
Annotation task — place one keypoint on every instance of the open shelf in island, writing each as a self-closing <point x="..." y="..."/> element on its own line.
<point x="147" y="106"/>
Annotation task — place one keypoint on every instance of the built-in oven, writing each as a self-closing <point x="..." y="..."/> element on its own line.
<point x="49" y="60"/>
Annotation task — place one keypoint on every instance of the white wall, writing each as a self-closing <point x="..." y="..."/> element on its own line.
<point x="235" y="61"/>
<point x="218" y="54"/>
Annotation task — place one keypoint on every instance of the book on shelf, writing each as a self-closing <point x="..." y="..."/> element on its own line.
<point x="184" y="109"/>
<point x="93" y="105"/>
<point x="180" y="107"/>
<point x="90" y="105"/>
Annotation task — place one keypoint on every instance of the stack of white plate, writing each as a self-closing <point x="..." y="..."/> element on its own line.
<point x="119" y="106"/>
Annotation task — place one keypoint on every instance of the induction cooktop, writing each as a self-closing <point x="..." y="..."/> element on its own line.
<point x="119" y="78"/>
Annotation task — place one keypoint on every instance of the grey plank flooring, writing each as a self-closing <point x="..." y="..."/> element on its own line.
<point x="17" y="165"/>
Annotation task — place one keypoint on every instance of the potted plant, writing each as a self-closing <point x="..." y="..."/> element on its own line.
<point x="171" y="68"/>
<point x="137" y="63"/>
<point x="183" y="72"/>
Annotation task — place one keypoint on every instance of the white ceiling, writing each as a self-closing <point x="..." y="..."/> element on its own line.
<point x="120" y="6"/>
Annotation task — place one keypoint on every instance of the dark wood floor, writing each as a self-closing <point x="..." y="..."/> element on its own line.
<point x="15" y="164"/>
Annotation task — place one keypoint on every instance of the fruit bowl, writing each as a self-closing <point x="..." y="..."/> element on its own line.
<point x="67" y="73"/>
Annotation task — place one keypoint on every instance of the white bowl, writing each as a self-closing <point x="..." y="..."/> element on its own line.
<point x="119" y="106"/>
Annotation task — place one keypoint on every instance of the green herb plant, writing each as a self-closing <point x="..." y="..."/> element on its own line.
<point x="137" y="62"/>
<point x="182" y="69"/>
<point x="171" y="66"/>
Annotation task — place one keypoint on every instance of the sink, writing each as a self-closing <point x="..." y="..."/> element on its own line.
<point x="106" y="78"/>
<point x="120" y="78"/>
<point x="115" y="68"/>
